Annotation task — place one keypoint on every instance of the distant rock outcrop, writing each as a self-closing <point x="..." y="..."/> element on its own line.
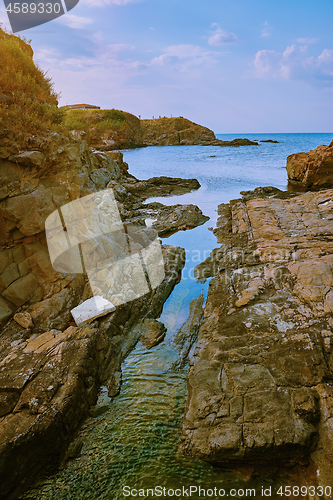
<point x="182" y="132"/>
<point x="112" y="129"/>
<point x="312" y="170"/>
<point x="174" y="132"/>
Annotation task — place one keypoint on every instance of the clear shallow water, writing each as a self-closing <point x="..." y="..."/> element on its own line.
<point x="136" y="443"/>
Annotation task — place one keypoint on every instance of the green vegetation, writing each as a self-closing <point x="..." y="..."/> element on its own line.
<point x="83" y="119"/>
<point x="28" y="102"/>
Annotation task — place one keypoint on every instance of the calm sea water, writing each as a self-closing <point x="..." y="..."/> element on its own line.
<point x="136" y="443"/>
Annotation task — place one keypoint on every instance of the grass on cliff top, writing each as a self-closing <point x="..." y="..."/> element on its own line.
<point x="28" y="103"/>
<point x="176" y="123"/>
<point x="103" y="119"/>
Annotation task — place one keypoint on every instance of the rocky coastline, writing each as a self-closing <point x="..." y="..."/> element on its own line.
<point x="259" y="384"/>
<point x="51" y="368"/>
<point x="259" y="381"/>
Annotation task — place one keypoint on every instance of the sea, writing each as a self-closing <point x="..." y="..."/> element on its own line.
<point x="133" y="449"/>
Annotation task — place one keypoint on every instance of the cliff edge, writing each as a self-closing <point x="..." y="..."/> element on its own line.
<point x="113" y="129"/>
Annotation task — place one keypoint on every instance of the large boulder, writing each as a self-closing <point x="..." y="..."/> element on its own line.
<point x="312" y="170"/>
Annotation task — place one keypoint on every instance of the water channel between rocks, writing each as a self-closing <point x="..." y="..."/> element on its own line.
<point x="136" y="442"/>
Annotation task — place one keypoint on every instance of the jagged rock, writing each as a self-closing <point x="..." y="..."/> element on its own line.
<point x="29" y="159"/>
<point x="312" y="170"/>
<point x="270" y="140"/>
<point x="188" y="332"/>
<point x="49" y="380"/>
<point x="258" y="382"/>
<point x="24" y="319"/>
<point x="51" y="370"/>
<point x="161" y="186"/>
<point x="176" y="217"/>
<point x="151" y="331"/>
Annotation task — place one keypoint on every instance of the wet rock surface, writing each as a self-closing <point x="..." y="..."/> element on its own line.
<point x="260" y="379"/>
<point x="188" y="333"/>
<point x="152" y="332"/>
<point x="312" y="170"/>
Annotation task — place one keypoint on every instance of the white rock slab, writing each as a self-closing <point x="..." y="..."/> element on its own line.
<point x="91" y="309"/>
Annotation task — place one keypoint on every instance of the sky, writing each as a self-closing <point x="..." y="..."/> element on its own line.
<point x="235" y="66"/>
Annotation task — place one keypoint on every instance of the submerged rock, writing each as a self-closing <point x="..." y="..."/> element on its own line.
<point x="188" y="332"/>
<point x="258" y="382"/>
<point x="312" y="170"/>
<point x="152" y="332"/>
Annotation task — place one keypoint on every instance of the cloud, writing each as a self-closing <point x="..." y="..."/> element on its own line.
<point x="266" y="31"/>
<point x="307" y="41"/>
<point x="105" y="59"/>
<point x="75" y="22"/>
<point x="295" y="64"/>
<point x="186" y="55"/>
<point x="222" y="37"/>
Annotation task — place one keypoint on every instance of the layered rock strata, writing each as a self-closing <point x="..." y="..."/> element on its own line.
<point x="50" y="368"/>
<point x="48" y="381"/>
<point x="29" y="194"/>
<point x="259" y="385"/>
<point x="312" y="170"/>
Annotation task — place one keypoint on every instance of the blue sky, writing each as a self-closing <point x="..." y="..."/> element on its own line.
<point x="235" y="66"/>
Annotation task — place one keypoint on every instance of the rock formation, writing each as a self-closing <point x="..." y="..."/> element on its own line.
<point x="187" y="334"/>
<point x="260" y="387"/>
<point x="134" y="133"/>
<point x="312" y="170"/>
<point x="174" y="131"/>
<point x="50" y="368"/>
